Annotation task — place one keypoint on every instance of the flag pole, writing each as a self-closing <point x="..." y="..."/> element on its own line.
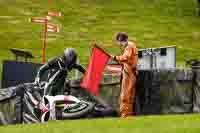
<point x="97" y="46"/>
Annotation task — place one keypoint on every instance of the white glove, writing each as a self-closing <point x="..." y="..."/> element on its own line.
<point x="37" y="80"/>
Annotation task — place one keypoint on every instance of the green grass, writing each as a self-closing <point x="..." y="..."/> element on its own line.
<point x="144" y="124"/>
<point x="153" y="24"/>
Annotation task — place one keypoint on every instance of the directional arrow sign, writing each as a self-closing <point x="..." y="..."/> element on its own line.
<point x="54" y="13"/>
<point x="52" y="28"/>
<point x="40" y="19"/>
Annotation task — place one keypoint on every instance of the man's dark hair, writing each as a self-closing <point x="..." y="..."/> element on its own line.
<point x="121" y="36"/>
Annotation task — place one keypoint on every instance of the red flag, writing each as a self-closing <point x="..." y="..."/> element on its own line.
<point x="93" y="75"/>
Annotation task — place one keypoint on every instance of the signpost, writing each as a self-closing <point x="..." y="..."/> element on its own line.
<point x="48" y="27"/>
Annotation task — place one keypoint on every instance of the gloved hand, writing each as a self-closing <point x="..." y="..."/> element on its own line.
<point x="42" y="107"/>
<point x="37" y="80"/>
<point x="113" y="57"/>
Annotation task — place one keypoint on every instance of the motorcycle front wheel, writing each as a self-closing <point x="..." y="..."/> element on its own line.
<point x="77" y="110"/>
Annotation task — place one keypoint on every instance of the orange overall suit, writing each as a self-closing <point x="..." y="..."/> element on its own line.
<point x="128" y="59"/>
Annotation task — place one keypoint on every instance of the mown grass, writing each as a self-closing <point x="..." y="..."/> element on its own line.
<point x="153" y="24"/>
<point x="142" y="124"/>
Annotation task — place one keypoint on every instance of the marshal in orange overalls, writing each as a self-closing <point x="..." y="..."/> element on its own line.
<point x="128" y="59"/>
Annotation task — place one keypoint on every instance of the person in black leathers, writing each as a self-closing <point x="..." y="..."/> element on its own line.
<point x="57" y="69"/>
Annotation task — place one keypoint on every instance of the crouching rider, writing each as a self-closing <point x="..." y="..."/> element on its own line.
<point x="57" y="69"/>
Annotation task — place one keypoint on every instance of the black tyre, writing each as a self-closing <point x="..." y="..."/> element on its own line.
<point x="45" y="117"/>
<point x="80" y="110"/>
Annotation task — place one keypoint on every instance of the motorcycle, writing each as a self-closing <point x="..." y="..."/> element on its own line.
<point x="65" y="107"/>
<point x="72" y="105"/>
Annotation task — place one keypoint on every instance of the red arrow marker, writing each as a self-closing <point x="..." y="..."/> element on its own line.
<point x="39" y="19"/>
<point x="114" y="68"/>
<point x="53" y="29"/>
<point x="54" y="13"/>
<point x="51" y="26"/>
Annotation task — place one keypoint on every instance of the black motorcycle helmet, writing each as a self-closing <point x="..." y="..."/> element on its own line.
<point x="70" y="57"/>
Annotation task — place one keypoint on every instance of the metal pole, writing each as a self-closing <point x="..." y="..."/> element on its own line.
<point x="44" y="45"/>
<point x="77" y="73"/>
<point x="151" y="58"/>
<point x="16" y="57"/>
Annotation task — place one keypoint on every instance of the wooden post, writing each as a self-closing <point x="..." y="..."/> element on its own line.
<point x="44" y="45"/>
